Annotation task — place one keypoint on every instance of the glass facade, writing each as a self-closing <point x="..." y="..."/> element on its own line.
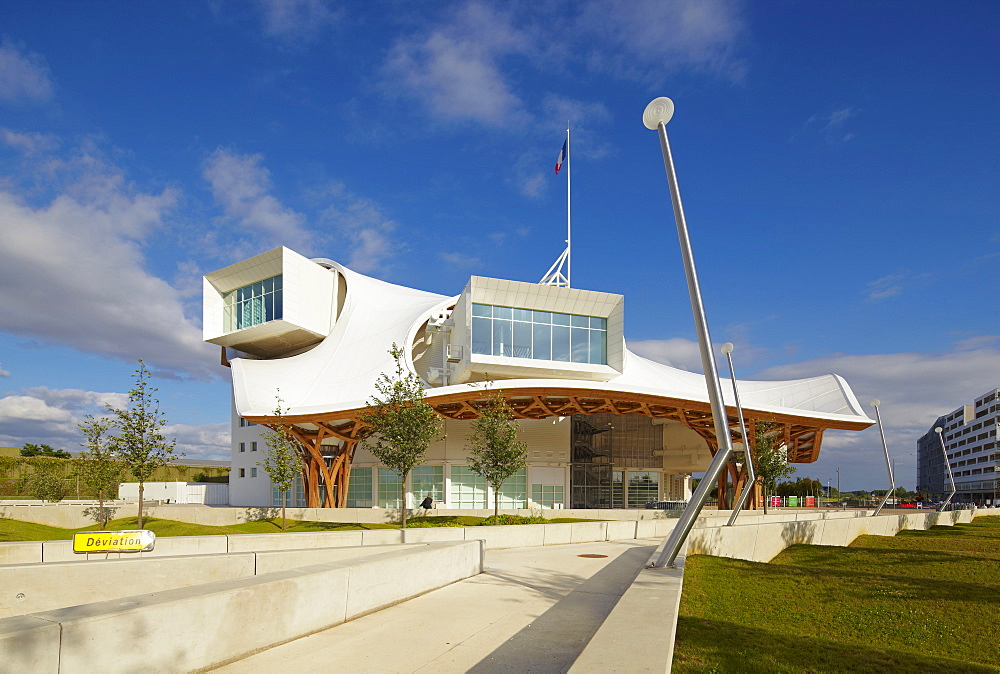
<point x="468" y="489"/>
<point x="359" y="488"/>
<point x="252" y="304"/>
<point x="643" y="486"/>
<point x="539" y="335"/>
<point x="514" y="491"/>
<point x="605" y="448"/>
<point x="427" y="480"/>
<point x="390" y="488"/>
<point x="548" y="495"/>
<point x="296" y="499"/>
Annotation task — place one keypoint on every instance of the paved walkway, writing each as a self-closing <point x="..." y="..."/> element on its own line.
<point x="532" y="610"/>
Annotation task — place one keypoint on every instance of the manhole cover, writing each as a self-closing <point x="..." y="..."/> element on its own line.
<point x="592" y="556"/>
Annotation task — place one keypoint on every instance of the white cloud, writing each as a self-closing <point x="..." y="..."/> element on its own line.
<point x="24" y="76"/>
<point x="80" y="274"/>
<point x="296" y="19"/>
<point x="915" y="389"/>
<point x="3" y="372"/>
<point x="242" y="187"/>
<point x="52" y="416"/>
<point x="460" y="260"/>
<point x="649" y="40"/>
<point x="685" y="354"/>
<point x="456" y="69"/>
<point x="29" y="143"/>
<point x="831" y="124"/>
<point x="201" y="441"/>
<point x="362" y="226"/>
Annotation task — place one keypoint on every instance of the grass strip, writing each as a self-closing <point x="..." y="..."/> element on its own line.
<point x="919" y="601"/>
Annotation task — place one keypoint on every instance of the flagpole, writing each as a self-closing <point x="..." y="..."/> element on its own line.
<point x="569" y="230"/>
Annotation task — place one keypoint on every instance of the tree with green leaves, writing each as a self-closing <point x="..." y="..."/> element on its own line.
<point x="770" y="458"/>
<point x="402" y="424"/>
<point x="283" y="460"/>
<point x="46" y="480"/>
<point x="100" y="471"/>
<point x="494" y="450"/>
<point x="44" y="450"/>
<point x="139" y="442"/>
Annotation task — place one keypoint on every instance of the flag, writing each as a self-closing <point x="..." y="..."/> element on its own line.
<point x="562" y="156"/>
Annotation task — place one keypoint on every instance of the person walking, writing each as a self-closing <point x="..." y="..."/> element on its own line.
<point x="427" y="502"/>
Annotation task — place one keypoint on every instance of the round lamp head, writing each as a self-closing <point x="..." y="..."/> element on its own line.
<point x="727" y="348"/>
<point x="876" y="402"/>
<point x="938" y="430"/>
<point x="659" y="110"/>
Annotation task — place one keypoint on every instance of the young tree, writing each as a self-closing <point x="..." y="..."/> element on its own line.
<point x="100" y="470"/>
<point x="494" y="450"/>
<point x="770" y="458"/>
<point x="139" y="443"/>
<point x="46" y="481"/>
<point x="402" y="424"/>
<point x="283" y="460"/>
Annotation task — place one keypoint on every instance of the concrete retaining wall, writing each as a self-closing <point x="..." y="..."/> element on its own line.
<point x="644" y="621"/>
<point x="180" y="630"/>
<point x="30" y="588"/>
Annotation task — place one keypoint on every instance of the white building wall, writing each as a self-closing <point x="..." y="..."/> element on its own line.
<point x="246" y="488"/>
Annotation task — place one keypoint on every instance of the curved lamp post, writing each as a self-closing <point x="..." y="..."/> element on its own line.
<point x="727" y="349"/>
<point x="888" y="463"/>
<point x="655" y="117"/>
<point x="947" y="464"/>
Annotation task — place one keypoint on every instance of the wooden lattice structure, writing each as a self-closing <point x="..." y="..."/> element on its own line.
<point x="331" y="464"/>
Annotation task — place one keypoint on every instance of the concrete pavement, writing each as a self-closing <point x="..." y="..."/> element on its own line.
<point x="532" y="610"/>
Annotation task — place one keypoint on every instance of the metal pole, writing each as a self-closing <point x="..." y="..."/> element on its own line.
<point x="569" y="228"/>
<point x="656" y="115"/>
<point x="947" y="464"/>
<point x="727" y="349"/>
<point x="888" y="464"/>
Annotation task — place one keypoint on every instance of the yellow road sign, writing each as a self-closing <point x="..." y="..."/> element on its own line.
<point x="139" y="540"/>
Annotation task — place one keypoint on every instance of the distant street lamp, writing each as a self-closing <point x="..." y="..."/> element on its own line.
<point x="947" y="464"/>
<point x="888" y="463"/>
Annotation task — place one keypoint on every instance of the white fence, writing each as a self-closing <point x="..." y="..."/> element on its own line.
<point x="206" y="493"/>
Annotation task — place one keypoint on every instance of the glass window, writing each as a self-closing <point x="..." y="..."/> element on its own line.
<point x="541" y="335"/>
<point x="581" y="345"/>
<point x="253" y="472"/>
<point x="243" y="472"/>
<point x="359" y="488"/>
<point x="296" y="499"/>
<point x="598" y="347"/>
<point x="502" y="337"/>
<point x="643" y="486"/>
<point x="252" y="304"/>
<point x="513" y="492"/>
<point x="253" y="446"/>
<point x="618" y="489"/>
<point x="548" y="495"/>
<point x="542" y="341"/>
<point x="427" y="480"/>
<point x="481" y="335"/>
<point x="243" y="446"/>
<point x="468" y="489"/>
<point x="522" y="340"/>
<point x="390" y="488"/>
<point x="560" y="343"/>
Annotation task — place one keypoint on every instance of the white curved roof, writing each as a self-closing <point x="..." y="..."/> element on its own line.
<point x="340" y="372"/>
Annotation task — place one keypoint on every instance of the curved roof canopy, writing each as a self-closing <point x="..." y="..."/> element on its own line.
<point x="326" y="386"/>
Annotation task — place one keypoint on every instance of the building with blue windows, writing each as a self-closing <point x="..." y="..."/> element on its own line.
<point x="605" y="428"/>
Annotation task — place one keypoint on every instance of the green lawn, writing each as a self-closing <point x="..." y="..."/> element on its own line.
<point x="14" y="530"/>
<point x="922" y="601"/>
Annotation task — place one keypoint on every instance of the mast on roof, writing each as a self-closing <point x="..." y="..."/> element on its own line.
<point x="560" y="271"/>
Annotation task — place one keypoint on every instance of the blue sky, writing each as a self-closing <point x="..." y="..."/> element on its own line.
<point x="838" y="163"/>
